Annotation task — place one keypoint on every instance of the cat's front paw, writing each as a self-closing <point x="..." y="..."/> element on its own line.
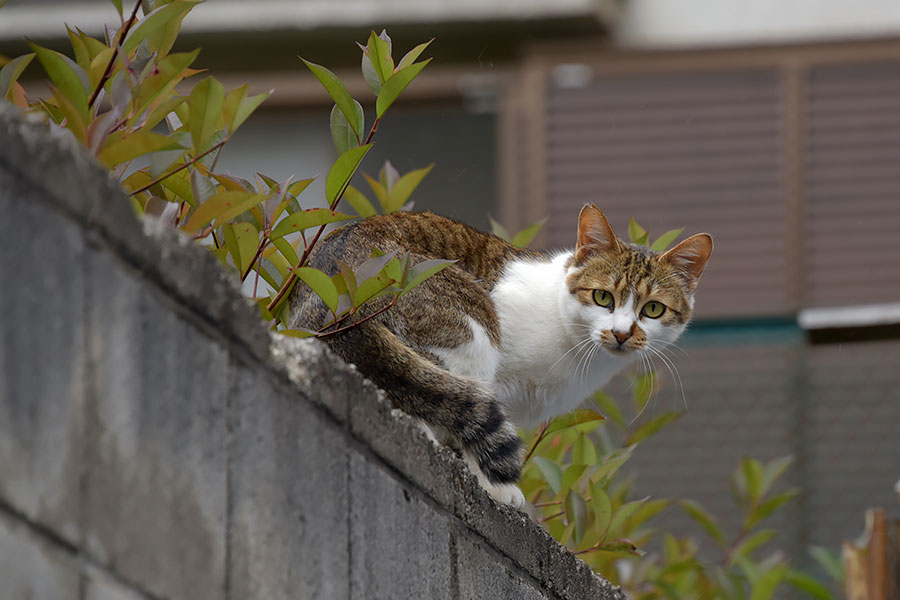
<point x="505" y="493"/>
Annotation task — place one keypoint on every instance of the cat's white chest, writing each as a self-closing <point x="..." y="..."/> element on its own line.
<point x="544" y="369"/>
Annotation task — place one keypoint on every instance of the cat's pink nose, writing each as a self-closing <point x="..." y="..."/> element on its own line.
<point x="621" y="336"/>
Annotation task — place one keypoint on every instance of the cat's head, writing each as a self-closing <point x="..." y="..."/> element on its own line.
<point x="627" y="297"/>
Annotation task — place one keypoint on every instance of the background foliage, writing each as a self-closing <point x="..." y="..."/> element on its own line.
<point x="159" y="126"/>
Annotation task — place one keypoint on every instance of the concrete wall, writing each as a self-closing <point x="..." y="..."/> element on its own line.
<point x="153" y="445"/>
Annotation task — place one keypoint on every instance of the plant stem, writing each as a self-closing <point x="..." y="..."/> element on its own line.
<point x="372" y="131"/>
<point x="181" y="168"/>
<point x="360" y="322"/>
<point x="540" y="439"/>
<point x="112" y="59"/>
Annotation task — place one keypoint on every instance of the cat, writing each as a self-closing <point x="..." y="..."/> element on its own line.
<point x="505" y="335"/>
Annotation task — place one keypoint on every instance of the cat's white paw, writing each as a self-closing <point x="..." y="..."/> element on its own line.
<point x="505" y="493"/>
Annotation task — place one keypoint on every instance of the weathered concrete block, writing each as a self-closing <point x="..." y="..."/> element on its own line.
<point x="99" y="585"/>
<point x="32" y="567"/>
<point x="401" y="544"/>
<point x="41" y="357"/>
<point x="328" y="380"/>
<point x="483" y="574"/>
<point x="155" y="487"/>
<point x="400" y="441"/>
<point x="289" y="502"/>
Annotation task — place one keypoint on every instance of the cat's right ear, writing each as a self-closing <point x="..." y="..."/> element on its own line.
<point x="595" y="236"/>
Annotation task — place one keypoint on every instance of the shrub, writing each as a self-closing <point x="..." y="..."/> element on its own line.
<point x="120" y="98"/>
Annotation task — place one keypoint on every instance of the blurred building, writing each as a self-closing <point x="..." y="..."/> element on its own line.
<point x="774" y="126"/>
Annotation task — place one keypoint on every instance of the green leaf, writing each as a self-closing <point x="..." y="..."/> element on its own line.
<point x="808" y="584"/>
<point x="524" y="237"/>
<point x="665" y="240"/>
<point x="395" y="85"/>
<point x="625" y="546"/>
<point x="411" y="56"/>
<point x="221" y="208"/>
<point x="752" y="543"/>
<point x="551" y="472"/>
<point x="162" y="79"/>
<point x="67" y="76"/>
<point x="609" y="407"/>
<point x="765" y="586"/>
<point x="359" y="202"/>
<point x="423" y="270"/>
<point x="297" y="333"/>
<point x="321" y="284"/>
<point x="380" y="192"/>
<point x="752" y="473"/>
<point x="499" y="230"/>
<point x="571" y="476"/>
<point x="577" y="512"/>
<point x="342" y="171"/>
<point x="341" y="133"/>
<point x="583" y="451"/>
<point x="380" y="55"/>
<point x="155" y="21"/>
<point x="651" y="427"/>
<point x="404" y="187"/>
<point x="637" y="233"/>
<point x="577" y="417"/>
<point x="829" y="561"/>
<point x="373" y="266"/>
<point x="11" y="72"/>
<point x="368" y="71"/>
<point x="205" y="104"/>
<point x="602" y="508"/>
<point x="706" y="520"/>
<point x="118" y="5"/>
<point x="338" y="92"/>
<point x="238" y="107"/>
<point x="305" y="219"/>
<point x="286" y="249"/>
<point x="610" y="466"/>
<point x="623" y="514"/>
<point x="772" y="471"/>
<point x="133" y="145"/>
<point x="247" y="240"/>
<point x="642" y="390"/>
<point x="74" y="122"/>
<point x="82" y="55"/>
<point x="766" y="508"/>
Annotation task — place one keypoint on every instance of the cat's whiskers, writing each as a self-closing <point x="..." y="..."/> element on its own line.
<point x="558" y="360"/>
<point x="670" y="365"/>
<point x="647" y="363"/>
<point x="587" y="363"/>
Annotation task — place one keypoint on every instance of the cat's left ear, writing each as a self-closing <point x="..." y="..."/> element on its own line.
<point x="690" y="257"/>
<point x="594" y="234"/>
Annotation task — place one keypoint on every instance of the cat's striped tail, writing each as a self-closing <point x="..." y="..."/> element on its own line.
<point x="463" y="408"/>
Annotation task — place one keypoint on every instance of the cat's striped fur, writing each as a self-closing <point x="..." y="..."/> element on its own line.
<point x="469" y="347"/>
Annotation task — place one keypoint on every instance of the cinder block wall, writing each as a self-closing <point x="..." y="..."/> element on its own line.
<point x="154" y="443"/>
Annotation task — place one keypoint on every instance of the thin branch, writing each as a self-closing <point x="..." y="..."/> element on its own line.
<point x="372" y="131"/>
<point x="553" y="516"/>
<point x="360" y="322"/>
<point x="540" y="439"/>
<point x="293" y="277"/>
<point x="259" y="251"/>
<point x="112" y="59"/>
<point x="181" y="168"/>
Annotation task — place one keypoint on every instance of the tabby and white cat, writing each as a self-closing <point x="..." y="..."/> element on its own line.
<point x="505" y="335"/>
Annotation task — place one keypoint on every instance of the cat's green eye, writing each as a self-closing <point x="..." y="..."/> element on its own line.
<point x="603" y="298"/>
<point x="654" y="309"/>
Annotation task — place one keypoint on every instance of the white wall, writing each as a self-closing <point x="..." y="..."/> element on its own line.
<point x="674" y="23"/>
